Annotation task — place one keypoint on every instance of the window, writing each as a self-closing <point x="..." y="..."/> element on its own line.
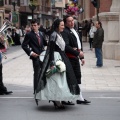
<point x="1" y="2"/>
<point x="58" y="0"/>
<point x="5" y="2"/>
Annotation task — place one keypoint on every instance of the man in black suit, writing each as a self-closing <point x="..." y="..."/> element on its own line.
<point x="3" y="89"/>
<point x="33" y="45"/>
<point x="74" y="51"/>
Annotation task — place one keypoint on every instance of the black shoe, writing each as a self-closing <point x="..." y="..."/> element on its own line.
<point x="83" y="102"/>
<point x="1" y="93"/>
<point x="67" y="103"/>
<point x="6" y="92"/>
<point x="57" y="105"/>
<point x="99" y="65"/>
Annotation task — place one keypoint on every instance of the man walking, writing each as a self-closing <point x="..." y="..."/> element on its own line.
<point x="33" y="45"/>
<point x="73" y="50"/>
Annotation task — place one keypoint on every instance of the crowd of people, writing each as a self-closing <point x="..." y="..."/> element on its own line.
<point x="13" y="36"/>
<point x="57" y="78"/>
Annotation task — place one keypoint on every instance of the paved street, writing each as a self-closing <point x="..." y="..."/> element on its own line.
<point x="100" y="85"/>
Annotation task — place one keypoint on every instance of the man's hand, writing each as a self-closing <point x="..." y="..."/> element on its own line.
<point x="83" y="62"/>
<point x="34" y="54"/>
<point x="74" y="48"/>
<point x="81" y="54"/>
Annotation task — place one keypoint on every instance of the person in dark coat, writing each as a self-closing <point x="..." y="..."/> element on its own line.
<point x="97" y="43"/>
<point x="33" y="44"/>
<point x="15" y="37"/>
<point x="73" y="50"/>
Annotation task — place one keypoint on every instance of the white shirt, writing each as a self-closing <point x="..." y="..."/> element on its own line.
<point x="18" y="31"/>
<point x="92" y="31"/>
<point x="78" y="39"/>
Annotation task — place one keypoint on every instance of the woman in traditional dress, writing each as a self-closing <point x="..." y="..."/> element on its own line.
<point x="53" y="84"/>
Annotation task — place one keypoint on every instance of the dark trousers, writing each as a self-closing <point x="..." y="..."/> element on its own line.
<point x="2" y="87"/>
<point x="76" y="67"/>
<point x="36" y="68"/>
<point x="1" y="82"/>
<point x="90" y="42"/>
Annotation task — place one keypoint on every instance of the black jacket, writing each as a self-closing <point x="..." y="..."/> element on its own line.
<point x="31" y="43"/>
<point x="98" y="38"/>
<point x="71" y="41"/>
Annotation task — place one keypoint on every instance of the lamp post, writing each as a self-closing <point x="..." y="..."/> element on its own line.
<point x="14" y="14"/>
<point x="32" y="8"/>
<point x="14" y="4"/>
<point x="96" y="4"/>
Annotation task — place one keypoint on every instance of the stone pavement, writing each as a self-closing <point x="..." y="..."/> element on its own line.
<point x="17" y="71"/>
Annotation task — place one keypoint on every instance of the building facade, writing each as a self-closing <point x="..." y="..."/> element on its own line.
<point x="47" y="10"/>
<point x="90" y="10"/>
<point x="109" y="15"/>
<point x="7" y="7"/>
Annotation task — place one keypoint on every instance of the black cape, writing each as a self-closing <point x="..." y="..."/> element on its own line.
<point x="49" y="57"/>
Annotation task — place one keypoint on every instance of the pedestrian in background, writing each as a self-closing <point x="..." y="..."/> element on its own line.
<point x="10" y="40"/>
<point x="91" y="34"/>
<point x="36" y="44"/>
<point x="98" y="42"/>
<point x="15" y="37"/>
<point x="27" y="29"/>
<point x="74" y="52"/>
<point x="85" y="29"/>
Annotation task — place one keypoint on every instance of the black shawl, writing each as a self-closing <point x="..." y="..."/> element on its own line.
<point x="49" y="56"/>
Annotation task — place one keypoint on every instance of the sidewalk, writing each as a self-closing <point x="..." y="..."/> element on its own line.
<point x="18" y="71"/>
<point x="104" y="78"/>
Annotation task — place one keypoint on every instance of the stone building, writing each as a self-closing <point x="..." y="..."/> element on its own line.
<point x="47" y="10"/>
<point x="109" y="15"/>
<point x="7" y="7"/>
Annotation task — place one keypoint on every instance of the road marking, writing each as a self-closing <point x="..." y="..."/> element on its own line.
<point x="105" y="97"/>
<point x="17" y="97"/>
<point x="33" y="97"/>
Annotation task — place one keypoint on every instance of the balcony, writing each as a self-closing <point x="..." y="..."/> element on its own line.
<point x="59" y="4"/>
<point x="45" y="10"/>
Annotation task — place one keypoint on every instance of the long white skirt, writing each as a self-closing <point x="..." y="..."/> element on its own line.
<point x="56" y="87"/>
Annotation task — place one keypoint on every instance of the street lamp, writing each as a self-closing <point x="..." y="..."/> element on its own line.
<point x="96" y="4"/>
<point x="14" y="4"/>
<point x="32" y="8"/>
<point x="14" y="14"/>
